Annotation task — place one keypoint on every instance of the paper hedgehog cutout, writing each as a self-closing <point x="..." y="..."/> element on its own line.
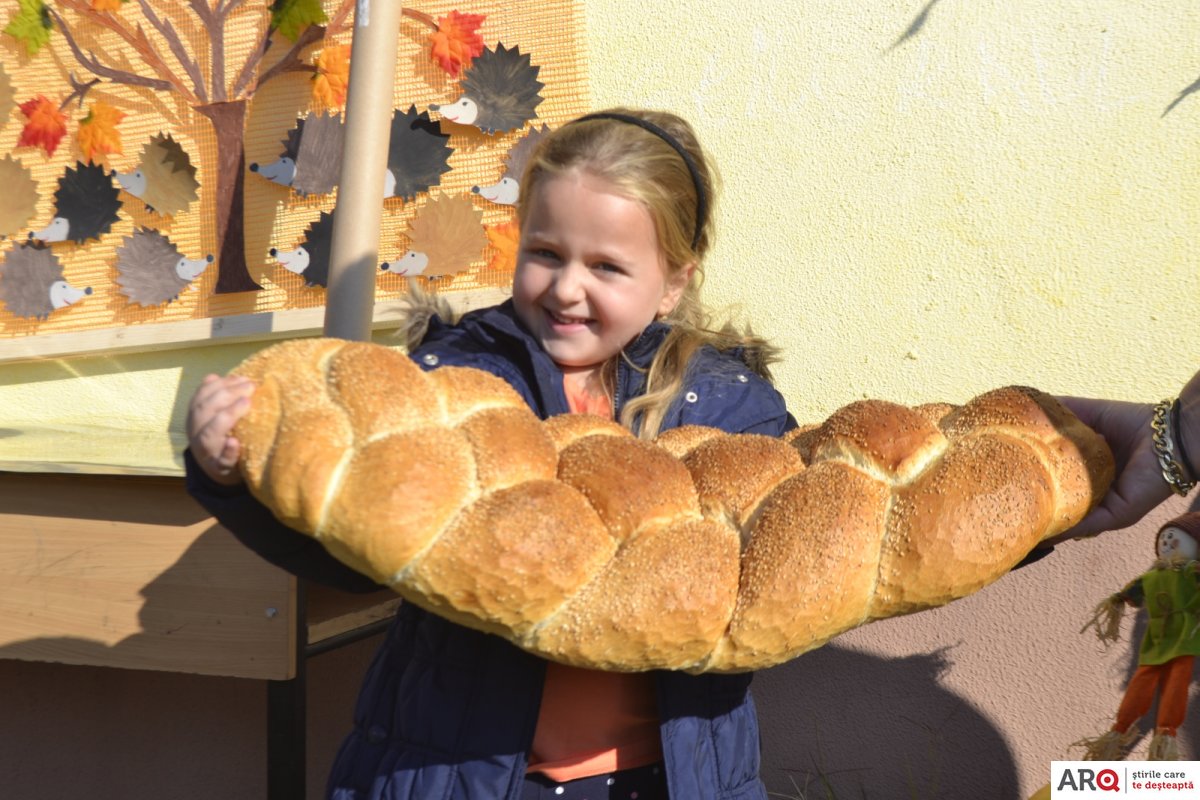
<point x="150" y="270"/>
<point x="32" y="284"/>
<point x="18" y="201"/>
<point x="311" y="160"/>
<point x="507" y="191"/>
<point x="283" y="169"/>
<point x="164" y="179"/>
<point x="447" y="235"/>
<point x="311" y="259"/>
<point x="418" y="155"/>
<point x="6" y="96"/>
<point x="499" y="92"/>
<point x="85" y="206"/>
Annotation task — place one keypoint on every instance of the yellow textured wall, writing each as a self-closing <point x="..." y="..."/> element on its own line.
<point x="997" y="197"/>
<point x="922" y="200"/>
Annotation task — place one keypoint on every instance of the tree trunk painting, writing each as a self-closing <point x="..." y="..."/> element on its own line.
<point x="228" y="120"/>
<point x="225" y="107"/>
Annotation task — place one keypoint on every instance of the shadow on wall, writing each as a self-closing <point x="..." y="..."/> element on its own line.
<point x="916" y="25"/>
<point x="922" y="18"/>
<point x="877" y="728"/>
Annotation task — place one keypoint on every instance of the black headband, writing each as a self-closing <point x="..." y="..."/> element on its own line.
<point x="701" y="195"/>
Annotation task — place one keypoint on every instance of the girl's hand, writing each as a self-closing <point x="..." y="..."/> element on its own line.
<point x="215" y="408"/>
<point x="1138" y="485"/>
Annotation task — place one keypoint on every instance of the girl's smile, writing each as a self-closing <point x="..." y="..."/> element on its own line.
<point x="590" y="274"/>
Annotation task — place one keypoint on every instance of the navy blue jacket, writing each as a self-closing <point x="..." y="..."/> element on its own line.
<point x="448" y="713"/>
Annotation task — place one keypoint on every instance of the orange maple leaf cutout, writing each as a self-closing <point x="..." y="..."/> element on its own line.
<point x="505" y="238"/>
<point x="333" y="76"/>
<point x="46" y="126"/>
<point x="98" y="134"/>
<point x="457" y="41"/>
<point x="107" y="5"/>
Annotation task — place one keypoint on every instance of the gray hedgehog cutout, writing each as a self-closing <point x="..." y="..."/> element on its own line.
<point x="311" y="259"/>
<point x="418" y="155"/>
<point x="151" y="271"/>
<point x="508" y="190"/>
<point x="85" y="206"/>
<point x="32" y="284"/>
<point x="500" y="92"/>
<point x="317" y="142"/>
<point x="164" y="179"/>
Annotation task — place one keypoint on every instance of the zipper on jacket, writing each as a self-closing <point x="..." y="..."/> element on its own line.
<point x="621" y="367"/>
<point x="617" y="390"/>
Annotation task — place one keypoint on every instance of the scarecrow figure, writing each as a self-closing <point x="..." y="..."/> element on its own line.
<point x="1170" y="593"/>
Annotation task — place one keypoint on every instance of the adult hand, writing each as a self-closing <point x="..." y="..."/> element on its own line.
<point x="1138" y="485"/>
<point x="1189" y="422"/>
<point x="213" y="411"/>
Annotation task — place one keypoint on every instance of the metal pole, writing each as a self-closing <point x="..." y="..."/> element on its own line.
<point x="354" y="255"/>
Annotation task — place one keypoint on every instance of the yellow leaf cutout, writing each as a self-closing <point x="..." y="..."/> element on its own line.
<point x="505" y="239"/>
<point x="333" y="76"/>
<point x="98" y="134"/>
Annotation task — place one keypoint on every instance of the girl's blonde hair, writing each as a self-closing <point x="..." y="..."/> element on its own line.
<point x="645" y="168"/>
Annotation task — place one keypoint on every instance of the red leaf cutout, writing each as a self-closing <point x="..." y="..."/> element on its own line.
<point x="457" y="41"/>
<point x="46" y="127"/>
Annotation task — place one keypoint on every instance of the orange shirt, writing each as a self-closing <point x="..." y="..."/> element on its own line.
<point x="594" y="722"/>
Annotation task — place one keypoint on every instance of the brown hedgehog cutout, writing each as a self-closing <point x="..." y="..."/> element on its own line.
<point x="322" y="156"/>
<point x="151" y="271"/>
<point x="164" y="179"/>
<point x="18" y="201"/>
<point x="311" y="161"/>
<point x="507" y="191"/>
<point x="85" y="206"/>
<point x="319" y="159"/>
<point x="7" y="100"/>
<point x="446" y="234"/>
<point x="499" y="93"/>
<point x="32" y="284"/>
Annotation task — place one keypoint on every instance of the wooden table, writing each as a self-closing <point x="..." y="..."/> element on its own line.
<point x="130" y="572"/>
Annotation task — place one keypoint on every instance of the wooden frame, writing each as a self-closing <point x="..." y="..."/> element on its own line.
<point x="265" y="327"/>
<point x="131" y="573"/>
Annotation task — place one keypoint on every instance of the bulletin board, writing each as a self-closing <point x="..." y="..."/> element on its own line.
<point x="169" y="167"/>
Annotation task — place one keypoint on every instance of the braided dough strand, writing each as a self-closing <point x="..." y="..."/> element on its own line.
<point x="704" y="551"/>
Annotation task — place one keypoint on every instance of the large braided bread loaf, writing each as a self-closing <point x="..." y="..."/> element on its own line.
<point x="705" y="551"/>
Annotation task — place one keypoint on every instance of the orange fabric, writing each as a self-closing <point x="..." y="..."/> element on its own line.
<point x="583" y="398"/>
<point x="594" y="722"/>
<point x="1171" y="681"/>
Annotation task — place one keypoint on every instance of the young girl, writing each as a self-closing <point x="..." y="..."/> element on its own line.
<point x="604" y="318"/>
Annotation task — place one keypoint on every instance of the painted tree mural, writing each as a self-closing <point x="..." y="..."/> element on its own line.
<point x="144" y="115"/>
<point x="222" y="95"/>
